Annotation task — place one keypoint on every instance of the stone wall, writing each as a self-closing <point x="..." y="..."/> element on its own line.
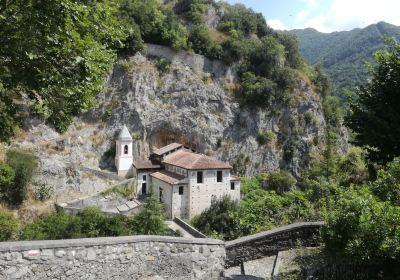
<point x="136" y="257"/>
<point x="195" y="61"/>
<point x="271" y="242"/>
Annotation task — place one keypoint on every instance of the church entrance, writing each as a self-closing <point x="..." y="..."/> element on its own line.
<point x="144" y="188"/>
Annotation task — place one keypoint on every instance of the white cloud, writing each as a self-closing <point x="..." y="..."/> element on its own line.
<point x="277" y="24"/>
<point x="348" y="14"/>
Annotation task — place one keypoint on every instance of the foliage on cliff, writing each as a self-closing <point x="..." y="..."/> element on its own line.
<point x="55" y="55"/>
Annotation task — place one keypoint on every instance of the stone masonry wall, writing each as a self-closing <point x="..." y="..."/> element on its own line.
<point x="269" y="243"/>
<point x="136" y="257"/>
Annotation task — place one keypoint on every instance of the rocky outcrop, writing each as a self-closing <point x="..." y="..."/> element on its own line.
<point x="180" y="104"/>
<point x="161" y="103"/>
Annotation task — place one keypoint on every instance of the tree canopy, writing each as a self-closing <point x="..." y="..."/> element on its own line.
<point x="374" y="113"/>
<point x="56" y="54"/>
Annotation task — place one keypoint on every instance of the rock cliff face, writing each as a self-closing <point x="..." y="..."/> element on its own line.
<point x="164" y="103"/>
<point x="180" y="104"/>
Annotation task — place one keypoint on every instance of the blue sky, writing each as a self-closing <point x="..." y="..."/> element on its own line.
<point x="325" y="15"/>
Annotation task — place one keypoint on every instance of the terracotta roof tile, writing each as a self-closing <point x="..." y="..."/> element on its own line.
<point x="168" y="177"/>
<point x="145" y="164"/>
<point x="190" y="160"/>
<point x="166" y="149"/>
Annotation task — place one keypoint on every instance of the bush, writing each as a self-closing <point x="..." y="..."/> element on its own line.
<point x="7" y="177"/>
<point x="42" y="192"/>
<point x="202" y="43"/>
<point x="24" y="165"/>
<point x="8" y="226"/>
<point x="360" y="227"/>
<point x="151" y="219"/>
<point x="265" y="137"/>
<point x="255" y="90"/>
<point x="91" y="222"/>
<point x="387" y="185"/>
<point x="280" y="181"/>
<point x="58" y="225"/>
<point x="218" y="218"/>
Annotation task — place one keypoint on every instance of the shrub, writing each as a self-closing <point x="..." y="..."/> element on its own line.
<point x="359" y="226"/>
<point x="7" y="177"/>
<point x="258" y="211"/>
<point x="387" y="184"/>
<point x="91" y="222"/>
<point x="8" y="226"/>
<point x="58" y="225"/>
<point x="218" y="218"/>
<point x="280" y="181"/>
<point x="163" y="65"/>
<point x="265" y="137"/>
<point x="255" y="90"/>
<point x="24" y="165"/>
<point x="42" y="192"/>
<point x="151" y="219"/>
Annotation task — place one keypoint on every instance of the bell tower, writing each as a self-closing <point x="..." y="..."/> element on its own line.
<point x="123" y="154"/>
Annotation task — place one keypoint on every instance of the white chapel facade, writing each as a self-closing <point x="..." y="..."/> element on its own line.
<point x="183" y="180"/>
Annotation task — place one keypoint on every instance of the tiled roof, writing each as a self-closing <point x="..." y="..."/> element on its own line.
<point x="166" y="149"/>
<point x="190" y="160"/>
<point x="145" y="164"/>
<point x="124" y="134"/>
<point x="168" y="177"/>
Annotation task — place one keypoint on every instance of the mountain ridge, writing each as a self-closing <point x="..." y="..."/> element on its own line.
<point x="344" y="54"/>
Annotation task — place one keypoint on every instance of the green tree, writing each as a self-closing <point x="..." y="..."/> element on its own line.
<point x="218" y="218"/>
<point x="58" y="225"/>
<point x="8" y="226"/>
<point x="256" y="90"/>
<point x="57" y="53"/>
<point x="24" y="164"/>
<point x="151" y="220"/>
<point x="201" y="42"/>
<point x="361" y="227"/>
<point x="374" y="114"/>
<point x="7" y="177"/>
<point x="387" y="184"/>
<point x="280" y="182"/>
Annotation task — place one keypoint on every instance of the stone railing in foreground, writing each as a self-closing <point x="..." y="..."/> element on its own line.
<point x="270" y="242"/>
<point x="134" y="257"/>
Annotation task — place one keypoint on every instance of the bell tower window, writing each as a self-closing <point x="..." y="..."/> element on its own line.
<point x="126" y="149"/>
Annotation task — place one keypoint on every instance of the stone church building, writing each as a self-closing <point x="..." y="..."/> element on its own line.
<point x="184" y="180"/>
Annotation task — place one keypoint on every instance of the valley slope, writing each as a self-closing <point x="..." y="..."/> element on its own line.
<point x="344" y="54"/>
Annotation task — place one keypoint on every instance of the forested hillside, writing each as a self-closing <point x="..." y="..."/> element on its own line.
<point x="344" y="54"/>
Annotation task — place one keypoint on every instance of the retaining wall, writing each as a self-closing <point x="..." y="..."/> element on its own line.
<point x="136" y="257"/>
<point x="269" y="243"/>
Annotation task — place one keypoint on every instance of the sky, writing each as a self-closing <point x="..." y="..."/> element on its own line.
<point x="325" y="15"/>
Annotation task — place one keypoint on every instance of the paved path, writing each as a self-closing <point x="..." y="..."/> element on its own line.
<point x="174" y="226"/>
<point x="254" y="270"/>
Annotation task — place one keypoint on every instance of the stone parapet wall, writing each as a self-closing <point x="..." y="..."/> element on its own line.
<point x="194" y="232"/>
<point x="271" y="242"/>
<point x="136" y="257"/>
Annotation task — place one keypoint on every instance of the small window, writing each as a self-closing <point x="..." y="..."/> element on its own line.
<point x="126" y="149"/>
<point x="160" y="194"/>
<point x="199" y="177"/>
<point x="219" y="176"/>
<point x="232" y="186"/>
<point x="144" y="177"/>
<point x="180" y="190"/>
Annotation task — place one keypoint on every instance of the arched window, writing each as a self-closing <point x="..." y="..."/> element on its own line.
<point x="126" y="149"/>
